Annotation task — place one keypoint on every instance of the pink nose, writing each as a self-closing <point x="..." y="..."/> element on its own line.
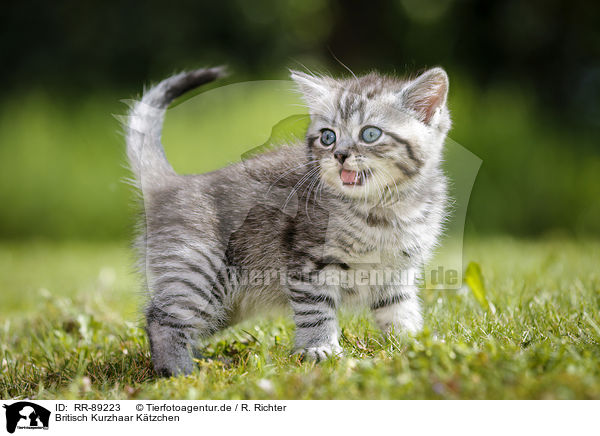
<point x="341" y="156"/>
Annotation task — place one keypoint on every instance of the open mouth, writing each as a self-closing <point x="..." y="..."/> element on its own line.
<point x="353" y="178"/>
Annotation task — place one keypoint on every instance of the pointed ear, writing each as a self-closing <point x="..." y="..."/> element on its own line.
<point x="426" y="94"/>
<point x="313" y="88"/>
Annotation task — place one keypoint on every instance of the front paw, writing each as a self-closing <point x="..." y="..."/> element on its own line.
<point x="319" y="353"/>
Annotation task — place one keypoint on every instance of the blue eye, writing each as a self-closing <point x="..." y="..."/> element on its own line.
<point x="327" y="137"/>
<point x="370" y="134"/>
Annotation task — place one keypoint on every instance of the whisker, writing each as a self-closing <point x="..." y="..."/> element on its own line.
<point x="343" y="64"/>
<point x="393" y="181"/>
<point x="292" y="170"/>
<point x="376" y="180"/>
<point x="317" y="192"/>
<point x="387" y="187"/>
<point x="299" y="184"/>
<point x="308" y="197"/>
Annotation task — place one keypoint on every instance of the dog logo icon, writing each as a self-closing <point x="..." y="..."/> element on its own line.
<point x="26" y="415"/>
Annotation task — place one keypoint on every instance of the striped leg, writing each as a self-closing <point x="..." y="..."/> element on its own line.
<point x="315" y="315"/>
<point x="174" y="324"/>
<point x="170" y="342"/>
<point x="398" y="309"/>
<point x="189" y="305"/>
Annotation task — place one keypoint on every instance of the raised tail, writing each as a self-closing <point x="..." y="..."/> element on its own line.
<point x="144" y="150"/>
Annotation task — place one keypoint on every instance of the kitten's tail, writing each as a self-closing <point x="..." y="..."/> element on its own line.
<point x="144" y="149"/>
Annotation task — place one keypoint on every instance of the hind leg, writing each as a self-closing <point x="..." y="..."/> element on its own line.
<point x="170" y="343"/>
<point x="175" y="322"/>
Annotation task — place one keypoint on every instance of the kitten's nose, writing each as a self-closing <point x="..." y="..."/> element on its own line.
<point x="341" y="156"/>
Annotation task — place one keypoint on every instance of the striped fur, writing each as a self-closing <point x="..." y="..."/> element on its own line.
<point x="281" y="229"/>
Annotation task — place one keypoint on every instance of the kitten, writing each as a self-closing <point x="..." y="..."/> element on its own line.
<point x="364" y="193"/>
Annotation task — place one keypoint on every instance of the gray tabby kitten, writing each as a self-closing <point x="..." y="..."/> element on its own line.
<point x="363" y="194"/>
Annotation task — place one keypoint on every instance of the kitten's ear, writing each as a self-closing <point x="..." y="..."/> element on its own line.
<point x="313" y="88"/>
<point x="426" y="94"/>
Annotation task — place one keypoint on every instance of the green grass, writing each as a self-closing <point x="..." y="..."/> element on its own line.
<point x="69" y="328"/>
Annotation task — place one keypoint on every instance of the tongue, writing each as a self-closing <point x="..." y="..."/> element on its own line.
<point x="349" y="177"/>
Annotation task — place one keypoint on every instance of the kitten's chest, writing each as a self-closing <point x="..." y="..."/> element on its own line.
<point x="359" y="241"/>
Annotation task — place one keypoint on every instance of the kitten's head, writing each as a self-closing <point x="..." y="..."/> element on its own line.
<point x="374" y="133"/>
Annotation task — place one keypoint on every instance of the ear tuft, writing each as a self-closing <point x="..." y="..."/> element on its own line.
<point x="426" y="94"/>
<point x="313" y="88"/>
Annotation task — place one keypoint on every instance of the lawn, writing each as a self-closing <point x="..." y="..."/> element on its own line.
<point x="70" y="328"/>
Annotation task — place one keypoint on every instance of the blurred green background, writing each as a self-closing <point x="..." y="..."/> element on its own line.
<point x="525" y="98"/>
